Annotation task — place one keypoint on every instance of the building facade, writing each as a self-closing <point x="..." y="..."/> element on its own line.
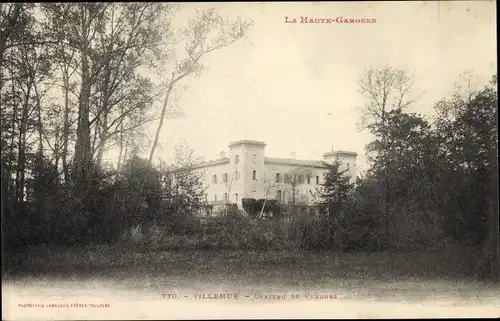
<point x="246" y="172"/>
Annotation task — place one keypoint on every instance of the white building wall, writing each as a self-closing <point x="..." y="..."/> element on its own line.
<point x="302" y="190"/>
<point x="215" y="191"/>
<point x="251" y="157"/>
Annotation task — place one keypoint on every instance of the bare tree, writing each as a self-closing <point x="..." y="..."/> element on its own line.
<point x="270" y="185"/>
<point x="186" y="185"/>
<point x="11" y="16"/>
<point x="292" y="180"/>
<point x="90" y="20"/>
<point x="206" y="33"/>
<point x="65" y="58"/>
<point x="384" y="90"/>
<point x="133" y="39"/>
<point x="229" y="185"/>
<point x="33" y="66"/>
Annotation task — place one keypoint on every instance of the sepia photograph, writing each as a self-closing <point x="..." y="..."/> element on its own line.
<point x="249" y="160"/>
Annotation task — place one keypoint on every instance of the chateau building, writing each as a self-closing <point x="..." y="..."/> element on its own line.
<point x="247" y="172"/>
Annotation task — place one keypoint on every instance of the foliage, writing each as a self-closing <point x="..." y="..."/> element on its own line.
<point x="250" y="206"/>
<point x="434" y="182"/>
<point x="79" y="79"/>
<point x="253" y="207"/>
<point x="335" y="188"/>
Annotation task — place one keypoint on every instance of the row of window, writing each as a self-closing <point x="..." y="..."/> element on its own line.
<point x="226" y="197"/>
<point x="237" y="159"/>
<point x="280" y="196"/>
<point x="299" y="179"/>
<point x="225" y="177"/>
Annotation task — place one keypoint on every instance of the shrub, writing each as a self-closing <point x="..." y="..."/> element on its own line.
<point x="251" y="207"/>
<point x="183" y="223"/>
<point x="272" y="206"/>
<point x="233" y="210"/>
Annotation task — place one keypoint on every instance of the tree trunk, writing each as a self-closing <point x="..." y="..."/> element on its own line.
<point x="229" y="191"/>
<point x="21" y="164"/>
<point x="12" y="187"/>
<point x="104" y="117"/>
<point x="66" y="129"/>
<point x="162" y="116"/>
<point x="120" y="155"/>
<point x="263" y="207"/>
<point x="3" y="186"/>
<point x="39" y="194"/>
<point x="5" y="34"/>
<point x="119" y="161"/>
<point x="83" y="154"/>
<point x="387" y="214"/>
<point x="56" y="151"/>
<point x="329" y="226"/>
<point x="157" y="135"/>
<point x="125" y="152"/>
<point x="102" y="142"/>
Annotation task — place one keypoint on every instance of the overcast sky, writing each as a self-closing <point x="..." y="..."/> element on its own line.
<point x="294" y="85"/>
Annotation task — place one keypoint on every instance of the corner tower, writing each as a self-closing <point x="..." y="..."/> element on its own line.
<point x="347" y="161"/>
<point x="247" y="162"/>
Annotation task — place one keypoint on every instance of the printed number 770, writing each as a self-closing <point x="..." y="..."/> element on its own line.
<point x="169" y="295"/>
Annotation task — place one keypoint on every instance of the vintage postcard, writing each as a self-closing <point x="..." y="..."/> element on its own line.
<point x="249" y="160"/>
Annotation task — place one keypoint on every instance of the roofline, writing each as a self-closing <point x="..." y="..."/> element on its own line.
<point x="340" y="152"/>
<point x="247" y="142"/>
<point x="210" y="163"/>
<point x="291" y="161"/>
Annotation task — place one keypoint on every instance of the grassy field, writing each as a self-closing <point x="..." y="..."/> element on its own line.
<point x="139" y="273"/>
<point x="295" y="269"/>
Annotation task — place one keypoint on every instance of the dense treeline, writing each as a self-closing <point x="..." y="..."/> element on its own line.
<point x="430" y="181"/>
<point x="78" y="80"/>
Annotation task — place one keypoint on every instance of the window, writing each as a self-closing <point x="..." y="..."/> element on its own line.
<point x="236" y="175"/>
<point x="317" y="179"/>
<point x="286" y="177"/>
<point x="225" y="196"/>
<point x="215" y="197"/>
<point x="308" y="179"/>
<point x="278" y="195"/>
<point x="253" y="194"/>
<point x="236" y="197"/>
<point x="278" y="178"/>
<point x="214" y="179"/>
<point x="225" y="177"/>
<point x="237" y="159"/>
<point x="254" y="158"/>
<point x="301" y="179"/>
<point x="254" y="175"/>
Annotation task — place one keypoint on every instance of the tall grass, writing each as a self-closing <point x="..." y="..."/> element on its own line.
<point x="346" y="232"/>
